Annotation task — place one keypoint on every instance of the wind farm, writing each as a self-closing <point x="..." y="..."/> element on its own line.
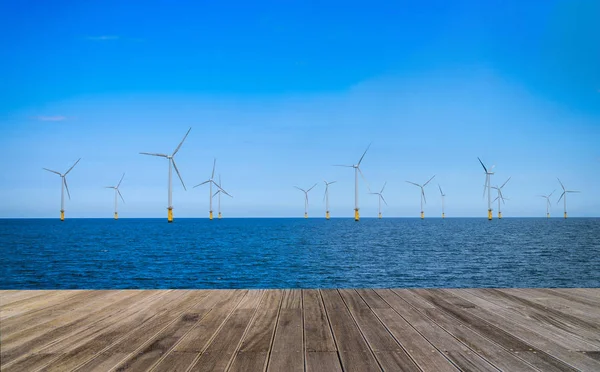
<point x="306" y="198"/>
<point x="117" y="192"/>
<point x="218" y="193"/>
<point x="326" y="198"/>
<point x="63" y="186"/>
<point x="500" y="197"/>
<point x="380" y="198"/>
<point x="422" y="195"/>
<point x="563" y="196"/>
<point x="548" y="203"/>
<point x="356" y="172"/>
<point x="487" y="187"/>
<point x="212" y="182"/>
<point x="443" y="201"/>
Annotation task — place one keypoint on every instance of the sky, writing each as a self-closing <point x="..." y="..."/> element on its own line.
<point x="279" y="91"/>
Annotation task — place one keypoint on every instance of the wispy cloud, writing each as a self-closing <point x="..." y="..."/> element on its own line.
<point x="51" y="118"/>
<point x="103" y="37"/>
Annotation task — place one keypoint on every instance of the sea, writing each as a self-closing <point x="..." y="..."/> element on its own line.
<point x="299" y="253"/>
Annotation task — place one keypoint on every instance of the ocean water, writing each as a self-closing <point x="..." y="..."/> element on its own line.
<point x="299" y="253"/>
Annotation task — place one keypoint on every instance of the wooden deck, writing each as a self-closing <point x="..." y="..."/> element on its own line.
<point x="301" y="330"/>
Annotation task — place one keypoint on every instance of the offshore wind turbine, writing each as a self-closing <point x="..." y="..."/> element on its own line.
<point x="211" y="182"/>
<point x="116" y="188"/>
<point x="356" y="172"/>
<point x="564" y="195"/>
<point x="219" y="193"/>
<point x="547" y="197"/>
<point x="380" y="194"/>
<point x="487" y="187"/>
<point x="306" y="199"/>
<point x="422" y="194"/>
<point x="171" y="159"/>
<point x="500" y="197"/>
<point x="443" y="197"/>
<point x="326" y="197"/>
<point x="63" y="185"/>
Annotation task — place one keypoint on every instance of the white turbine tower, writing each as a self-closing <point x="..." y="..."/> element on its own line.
<point x="326" y="197"/>
<point x="564" y="195"/>
<point x="356" y="172"/>
<point x="500" y="197"/>
<point x="380" y="197"/>
<point x="423" y="199"/>
<point x="171" y="159"/>
<point x="487" y="187"/>
<point x="219" y="193"/>
<point x="62" y="188"/>
<point x="547" y="197"/>
<point x="306" y="199"/>
<point x="443" y="196"/>
<point x="211" y="182"/>
<point x="116" y="188"/>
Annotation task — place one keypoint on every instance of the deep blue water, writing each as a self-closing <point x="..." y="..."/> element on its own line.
<point x="299" y="253"/>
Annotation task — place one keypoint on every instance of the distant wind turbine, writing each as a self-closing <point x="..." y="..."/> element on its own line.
<point x="547" y="197"/>
<point x="171" y="159"/>
<point x="326" y="197"/>
<point x="487" y="187"/>
<point x="500" y="197"/>
<point x="306" y="199"/>
<point x="116" y="188"/>
<point x="443" y="197"/>
<point x="62" y="188"/>
<point x="380" y="197"/>
<point x="356" y="172"/>
<point x="564" y="195"/>
<point x="219" y="193"/>
<point x="423" y="199"/>
<point x="211" y="182"/>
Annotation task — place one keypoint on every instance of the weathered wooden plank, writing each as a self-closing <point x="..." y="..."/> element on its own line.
<point x="249" y="361"/>
<point x="292" y="299"/>
<point x="260" y="334"/>
<point x="572" y="296"/>
<point x="569" y="308"/>
<point x="317" y="331"/>
<point x="287" y="352"/>
<point x="323" y="361"/>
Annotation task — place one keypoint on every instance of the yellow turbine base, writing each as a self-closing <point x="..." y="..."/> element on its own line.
<point x="547" y="215"/>
<point x="356" y="215"/>
<point x="499" y="215"/>
<point x="116" y="216"/>
<point x="422" y="215"/>
<point x="219" y="216"/>
<point x="305" y="215"/>
<point x="62" y="215"/>
<point x="210" y="215"/>
<point x="379" y="215"/>
<point x="327" y="215"/>
<point x="565" y="214"/>
<point x="170" y="215"/>
<point x="443" y="215"/>
<point x="490" y="214"/>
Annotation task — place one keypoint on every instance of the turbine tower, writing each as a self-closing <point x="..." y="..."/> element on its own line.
<point x="564" y="195"/>
<point x="443" y="196"/>
<point x="62" y="188"/>
<point x="423" y="199"/>
<point x="356" y="172"/>
<point x="326" y="197"/>
<point x="500" y="197"/>
<point x="380" y="194"/>
<point x="487" y="187"/>
<point x="306" y="199"/>
<point x="211" y="182"/>
<point x="219" y="193"/>
<point x="547" y="197"/>
<point x="171" y="159"/>
<point x="116" y="188"/>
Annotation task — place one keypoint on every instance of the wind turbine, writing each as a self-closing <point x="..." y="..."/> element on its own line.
<point x="564" y="195"/>
<point x="305" y="199"/>
<point x="380" y="194"/>
<point x="500" y="197"/>
<point x="356" y="172"/>
<point x="171" y="159"/>
<point x="547" y="197"/>
<point x="63" y="185"/>
<point x="116" y="188"/>
<point x="422" y="194"/>
<point x="443" y="196"/>
<point x="219" y="193"/>
<point x="211" y="182"/>
<point x="326" y="197"/>
<point x="487" y="187"/>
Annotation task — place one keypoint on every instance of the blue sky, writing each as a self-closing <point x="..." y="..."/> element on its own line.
<point x="280" y="91"/>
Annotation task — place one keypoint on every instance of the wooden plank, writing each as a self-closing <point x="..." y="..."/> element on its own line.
<point x="38" y="303"/>
<point x="575" y="309"/>
<point x="249" y="361"/>
<point x="287" y="352"/>
<point x="317" y="331"/>
<point x="292" y="299"/>
<point x="572" y="296"/>
<point x="323" y="361"/>
<point x="354" y="352"/>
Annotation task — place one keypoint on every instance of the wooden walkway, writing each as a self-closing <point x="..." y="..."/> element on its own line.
<point x="301" y="330"/>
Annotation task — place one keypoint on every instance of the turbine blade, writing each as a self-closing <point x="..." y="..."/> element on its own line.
<point x="423" y="193"/>
<point x="154" y="154"/>
<point x="339" y="165"/>
<point x="215" y="194"/>
<point x="572" y="191"/>
<point x="382" y="198"/>
<point x="364" y="153"/>
<point x="363" y="177"/>
<point x="506" y="182"/>
<point x="181" y="143"/>
<point x="73" y="166"/>
<point x="213" y="172"/>
<point x="551" y="193"/>
<point x="561" y="185"/>
<point x="50" y="170"/>
<point x="561" y="196"/>
<point x="121" y="195"/>
<point x="220" y="188"/>
<point x="200" y="184"/>
<point x="484" y="168"/>
<point x="416" y="184"/>
<point x="428" y="181"/>
<point x="440" y="187"/>
<point x="300" y="189"/>
<point x="381" y="192"/>
<point x="332" y="182"/>
<point x="313" y="186"/>
<point x="67" y="187"/>
<point x="177" y="170"/>
<point x="119" y="184"/>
